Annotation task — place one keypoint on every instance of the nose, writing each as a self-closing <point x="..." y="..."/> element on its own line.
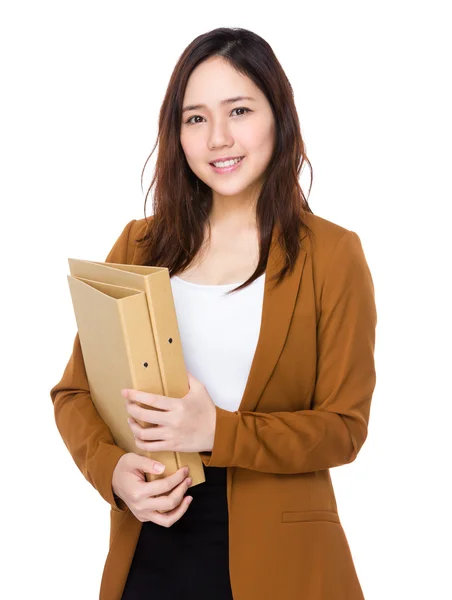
<point x="220" y="135"/>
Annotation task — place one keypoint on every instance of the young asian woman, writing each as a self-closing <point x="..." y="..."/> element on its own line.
<point x="277" y="316"/>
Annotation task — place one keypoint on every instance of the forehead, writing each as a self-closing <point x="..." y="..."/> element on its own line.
<point x="214" y="81"/>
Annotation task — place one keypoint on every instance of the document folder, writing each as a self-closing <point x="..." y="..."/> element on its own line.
<point x="129" y="336"/>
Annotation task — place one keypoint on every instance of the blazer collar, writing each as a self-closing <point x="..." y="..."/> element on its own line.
<point x="277" y="309"/>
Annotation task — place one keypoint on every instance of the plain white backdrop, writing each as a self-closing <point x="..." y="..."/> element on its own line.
<point x="82" y="83"/>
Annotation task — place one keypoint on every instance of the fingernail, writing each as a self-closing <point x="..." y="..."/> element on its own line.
<point x="159" y="468"/>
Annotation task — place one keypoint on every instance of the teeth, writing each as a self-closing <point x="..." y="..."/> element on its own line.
<point x="228" y="163"/>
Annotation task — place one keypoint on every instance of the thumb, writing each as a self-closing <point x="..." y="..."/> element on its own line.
<point x="192" y="381"/>
<point x="148" y="465"/>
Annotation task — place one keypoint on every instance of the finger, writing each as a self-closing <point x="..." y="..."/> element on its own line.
<point x="192" y="381"/>
<point x="154" y="400"/>
<point x="161" y="446"/>
<point x="139" y="413"/>
<point x="169" y="518"/>
<point x="148" y="465"/>
<point x="157" y="433"/>
<point x="166" y="484"/>
<point x="167" y="503"/>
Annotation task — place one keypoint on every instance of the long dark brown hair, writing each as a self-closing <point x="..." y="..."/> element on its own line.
<point x="182" y="202"/>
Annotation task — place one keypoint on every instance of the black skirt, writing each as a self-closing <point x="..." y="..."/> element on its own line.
<point x="190" y="559"/>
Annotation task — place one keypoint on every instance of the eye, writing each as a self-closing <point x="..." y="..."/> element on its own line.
<point x="241" y="108"/>
<point x="189" y="121"/>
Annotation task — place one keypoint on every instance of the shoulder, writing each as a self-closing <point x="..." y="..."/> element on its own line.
<point x="332" y="245"/>
<point x="325" y="233"/>
<point x="125" y="246"/>
<point x="139" y="228"/>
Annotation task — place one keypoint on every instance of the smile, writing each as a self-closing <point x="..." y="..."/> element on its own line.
<point x="230" y="166"/>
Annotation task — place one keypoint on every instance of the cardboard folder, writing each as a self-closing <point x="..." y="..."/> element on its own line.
<point x="129" y="336"/>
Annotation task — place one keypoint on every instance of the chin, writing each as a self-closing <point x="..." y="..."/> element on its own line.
<point x="231" y="187"/>
<point x="229" y="190"/>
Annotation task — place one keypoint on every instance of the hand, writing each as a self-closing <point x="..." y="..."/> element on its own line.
<point x="148" y="500"/>
<point x="182" y="424"/>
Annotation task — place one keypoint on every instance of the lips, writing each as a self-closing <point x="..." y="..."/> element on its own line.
<point x="234" y="167"/>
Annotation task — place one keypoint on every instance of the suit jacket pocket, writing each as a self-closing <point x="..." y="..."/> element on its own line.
<point x="309" y="515"/>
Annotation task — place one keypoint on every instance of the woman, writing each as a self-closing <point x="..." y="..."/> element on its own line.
<point x="277" y="319"/>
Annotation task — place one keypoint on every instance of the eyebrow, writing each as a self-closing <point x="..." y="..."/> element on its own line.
<point x="223" y="102"/>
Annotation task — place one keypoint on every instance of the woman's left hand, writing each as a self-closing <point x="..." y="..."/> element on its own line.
<point x="184" y="425"/>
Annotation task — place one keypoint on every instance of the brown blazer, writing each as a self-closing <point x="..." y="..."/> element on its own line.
<point x="305" y="409"/>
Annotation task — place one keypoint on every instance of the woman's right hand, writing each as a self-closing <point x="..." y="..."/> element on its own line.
<point x="146" y="498"/>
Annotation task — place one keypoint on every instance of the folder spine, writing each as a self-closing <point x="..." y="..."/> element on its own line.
<point x="130" y="327"/>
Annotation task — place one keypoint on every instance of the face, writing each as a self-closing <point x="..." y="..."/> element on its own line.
<point x="243" y="128"/>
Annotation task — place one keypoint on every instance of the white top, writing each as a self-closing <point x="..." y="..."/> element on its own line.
<point x="219" y="334"/>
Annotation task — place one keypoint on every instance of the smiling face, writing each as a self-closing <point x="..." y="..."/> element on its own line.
<point x="243" y="128"/>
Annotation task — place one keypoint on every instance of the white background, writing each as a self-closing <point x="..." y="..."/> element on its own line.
<point x="82" y="83"/>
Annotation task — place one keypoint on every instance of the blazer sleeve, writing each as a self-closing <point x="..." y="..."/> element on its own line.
<point x="85" y="434"/>
<point x="332" y="432"/>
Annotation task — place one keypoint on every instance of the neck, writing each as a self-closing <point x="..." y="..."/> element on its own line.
<point x="233" y="212"/>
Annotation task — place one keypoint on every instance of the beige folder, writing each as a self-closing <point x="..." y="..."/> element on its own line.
<point x="127" y="324"/>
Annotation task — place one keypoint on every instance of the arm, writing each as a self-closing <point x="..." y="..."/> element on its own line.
<point x="332" y="433"/>
<point x="86" y="436"/>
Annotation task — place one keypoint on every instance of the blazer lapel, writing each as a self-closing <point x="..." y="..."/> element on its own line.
<point x="277" y="310"/>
